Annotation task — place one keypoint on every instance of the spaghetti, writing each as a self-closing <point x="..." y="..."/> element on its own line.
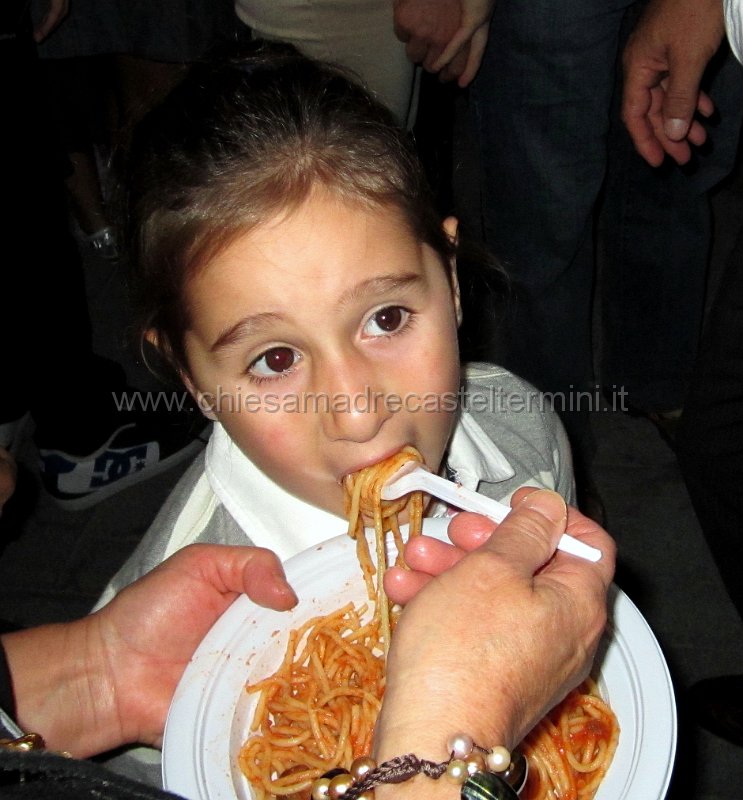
<point x="570" y="750"/>
<point x="318" y="710"/>
<point x="364" y="500"/>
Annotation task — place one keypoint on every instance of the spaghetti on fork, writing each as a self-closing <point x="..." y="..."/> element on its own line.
<point x="318" y="710"/>
<point x="364" y="501"/>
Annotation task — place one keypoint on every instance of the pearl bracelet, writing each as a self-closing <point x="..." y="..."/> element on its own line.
<point x="483" y="774"/>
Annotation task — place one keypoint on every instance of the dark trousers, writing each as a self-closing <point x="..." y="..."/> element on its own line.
<point x="709" y="440"/>
<point x="48" y="365"/>
<point x="543" y="106"/>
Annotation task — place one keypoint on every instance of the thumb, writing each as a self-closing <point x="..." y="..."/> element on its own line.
<point x="528" y="536"/>
<point x="681" y="98"/>
<point x="264" y="581"/>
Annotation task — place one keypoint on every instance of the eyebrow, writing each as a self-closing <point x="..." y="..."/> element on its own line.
<point x="244" y="327"/>
<point x="380" y="285"/>
<point x="254" y="323"/>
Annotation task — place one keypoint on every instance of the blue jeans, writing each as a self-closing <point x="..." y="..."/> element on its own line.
<point x="656" y="239"/>
<point x="542" y="105"/>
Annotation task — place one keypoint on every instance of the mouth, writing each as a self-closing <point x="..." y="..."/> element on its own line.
<point x="368" y="462"/>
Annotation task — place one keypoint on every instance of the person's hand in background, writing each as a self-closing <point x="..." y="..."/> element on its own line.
<point x="56" y="11"/>
<point x="445" y="37"/>
<point x="664" y="61"/>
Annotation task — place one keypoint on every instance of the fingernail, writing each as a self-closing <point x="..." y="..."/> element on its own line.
<point x="548" y="503"/>
<point x="288" y="590"/>
<point x="675" y="128"/>
<point x="289" y="594"/>
<point x="282" y="585"/>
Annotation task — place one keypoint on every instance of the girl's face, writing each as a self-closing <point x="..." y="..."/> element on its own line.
<point x="324" y="341"/>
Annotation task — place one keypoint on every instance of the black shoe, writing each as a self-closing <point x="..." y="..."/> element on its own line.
<point x="717" y="705"/>
<point x="133" y="452"/>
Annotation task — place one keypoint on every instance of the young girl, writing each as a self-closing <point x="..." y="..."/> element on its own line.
<point x="290" y="267"/>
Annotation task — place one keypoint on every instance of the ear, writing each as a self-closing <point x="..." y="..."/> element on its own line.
<point x="205" y="406"/>
<point x="151" y="336"/>
<point x="451" y="229"/>
<point x="202" y="400"/>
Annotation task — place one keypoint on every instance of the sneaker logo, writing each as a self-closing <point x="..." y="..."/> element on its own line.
<point x="80" y="477"/>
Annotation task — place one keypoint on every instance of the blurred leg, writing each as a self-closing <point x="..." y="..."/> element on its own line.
<point x="709" y="444"/>
<point x="49" y="367"/>
<point x="542" y="98"/>
<point x="710" y="436"/>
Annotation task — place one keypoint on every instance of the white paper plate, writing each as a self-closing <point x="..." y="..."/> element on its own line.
<point x="210" y="713"/>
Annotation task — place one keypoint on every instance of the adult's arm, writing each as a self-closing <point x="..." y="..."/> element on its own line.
<point x="493" y="638"/>
<point x="107" y="679"/>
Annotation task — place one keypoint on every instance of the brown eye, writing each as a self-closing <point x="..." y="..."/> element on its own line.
<point x="274" y="361"/>
<point x="387" y="320"/>
<point x="279" y="359"/>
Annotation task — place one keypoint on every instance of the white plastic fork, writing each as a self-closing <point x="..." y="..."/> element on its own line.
<point x="412" y="477"/>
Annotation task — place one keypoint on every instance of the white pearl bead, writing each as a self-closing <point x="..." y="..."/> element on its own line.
<point x="475" y="763"/>
<point x="361" y="766"/>
<point x="320" y="789"/>
<point x="456" y="771"/>
<point x="339" y="785"/>
<point x="498" y="759"/>
<point x="460" y="745"/>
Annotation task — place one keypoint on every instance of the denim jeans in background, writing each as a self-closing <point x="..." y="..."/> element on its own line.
<point x="656" y="236"/>
<point x="542" y="105"/>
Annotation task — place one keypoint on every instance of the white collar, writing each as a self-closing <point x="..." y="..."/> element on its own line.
<point x="272" y="517"/>
<point x="269" y="515"/>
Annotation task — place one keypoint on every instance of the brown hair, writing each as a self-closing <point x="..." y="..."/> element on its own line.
<point x="239" y="141"/>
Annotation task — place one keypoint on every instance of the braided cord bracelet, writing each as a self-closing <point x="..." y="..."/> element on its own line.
<point x="483" y="774"/>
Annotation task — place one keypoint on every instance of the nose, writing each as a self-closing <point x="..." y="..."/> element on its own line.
<point x="354" y="402"/>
